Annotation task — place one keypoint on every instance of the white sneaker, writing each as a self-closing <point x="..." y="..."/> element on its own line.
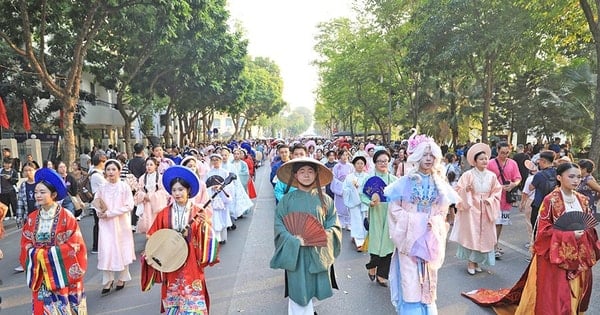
<point x="19" y="268"/>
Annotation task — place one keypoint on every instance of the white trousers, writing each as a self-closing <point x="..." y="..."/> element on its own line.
<point x="108" y="276"/>
<point x="297" y="309"/>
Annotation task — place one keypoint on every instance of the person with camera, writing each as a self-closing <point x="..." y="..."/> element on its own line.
<point x="508" y="175"/>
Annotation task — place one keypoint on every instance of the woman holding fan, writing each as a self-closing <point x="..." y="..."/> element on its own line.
<point x="559" y="277"/>
<point x="308" y="267"/>
<point x="380" y="245"/>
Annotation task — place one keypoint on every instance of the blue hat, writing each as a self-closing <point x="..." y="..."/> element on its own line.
<point x="178" y="171"/>
<point x="52" y="178"/>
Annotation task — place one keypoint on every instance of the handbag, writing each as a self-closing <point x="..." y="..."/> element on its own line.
<point x="512" y="195"/>
<point x="77" y="202"/>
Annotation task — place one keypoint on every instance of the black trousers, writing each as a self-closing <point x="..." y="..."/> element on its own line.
<point x="10" y="200"/>
<point x="533" y="218"/>
<point x="95" y="231"/>
<point x="381" y="263"/>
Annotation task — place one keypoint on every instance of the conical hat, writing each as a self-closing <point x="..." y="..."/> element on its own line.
<point x="284" y="173"/>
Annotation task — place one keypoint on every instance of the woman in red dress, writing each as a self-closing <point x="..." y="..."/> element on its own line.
<point x="558" y="280"/>
<point x="184" y="290"/>
<point x="53" y="251"/>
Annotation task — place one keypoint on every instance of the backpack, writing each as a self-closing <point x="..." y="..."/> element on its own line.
<point x="112" y="154"/>
<point x="84" y="189"/>
<point x="549" y="184"/>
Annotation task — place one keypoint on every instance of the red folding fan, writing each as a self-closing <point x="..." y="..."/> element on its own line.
<point x="306" y="226"/>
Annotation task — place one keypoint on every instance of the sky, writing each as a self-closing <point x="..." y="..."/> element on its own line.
<point x="284" y="31"/>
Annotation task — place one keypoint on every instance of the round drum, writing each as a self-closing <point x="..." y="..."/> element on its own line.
<point x="166" y="250"/>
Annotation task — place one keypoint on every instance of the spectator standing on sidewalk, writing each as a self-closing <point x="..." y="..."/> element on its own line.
<point x="507" y="172"/>
<point x="96" y="180"/>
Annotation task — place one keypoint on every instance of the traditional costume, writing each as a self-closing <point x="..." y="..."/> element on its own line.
<point x="558" y="279"/>
<point x="184" y="290"/>
<point x="308" y="269"/>
<point x="116" y="248"/>
<point x="340" y="171"/>
<point x="54" y="255"/>
<point x="417" y="222"/>
<point x="151" y="186"/>
<point x="475" y="222"/>
<point x="380" y="245"/>
<point x="353" y="186"/>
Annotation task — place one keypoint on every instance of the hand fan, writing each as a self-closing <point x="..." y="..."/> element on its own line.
<point x="575" y="220"/>
<point x="306" y="226"/>
<point x="375" y="185"/>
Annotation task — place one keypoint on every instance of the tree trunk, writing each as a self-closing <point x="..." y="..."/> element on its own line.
<point x="69" y="129"/>
<point x="487" y="98"/>
<point x="453" y="113"/>
<point x="127" y="139"/>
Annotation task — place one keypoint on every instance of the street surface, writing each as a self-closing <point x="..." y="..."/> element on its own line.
<point x="243" y="283"/>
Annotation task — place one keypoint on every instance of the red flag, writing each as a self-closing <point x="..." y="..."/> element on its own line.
<point x="26" y="124"/>
<point x="3" y="117"/>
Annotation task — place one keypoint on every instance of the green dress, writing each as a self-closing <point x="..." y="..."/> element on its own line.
<point x="309" y="269"/>
<point x="380" y="243"/>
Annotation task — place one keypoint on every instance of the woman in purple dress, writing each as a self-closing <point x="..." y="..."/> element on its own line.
<point x="340" y="171"/>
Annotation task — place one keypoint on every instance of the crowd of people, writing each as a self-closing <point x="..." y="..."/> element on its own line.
<point x="399" y="203"/>
<point x="150" y="192"/>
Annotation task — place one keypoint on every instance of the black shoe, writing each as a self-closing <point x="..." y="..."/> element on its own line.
<point x="233" y="227"/>
<point x="106" y="291"/>
<point x="372" y="277"/>
<point x="222" y="242"/>
<point x="120" y="287"/>
<point x="383" y="283"/>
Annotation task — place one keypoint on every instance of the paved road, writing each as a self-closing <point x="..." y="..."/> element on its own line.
<point x="243" y="283"/>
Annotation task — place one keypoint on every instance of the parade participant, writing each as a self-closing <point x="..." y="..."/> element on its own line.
<point x="53" y="251"/>
<point x="330" y="163"/>
<point x="380" y="245"/>
<point x="559" y="277"/>
<point x="240" y="168"/>
<point x="475" y="222"/>
<point x="588" y="186"/>
<point x="184" y="290"/>
<point x="340" y="171"/>
<point x="163" y="162"/>
<point x="353" y="186"/>
<point x="150" y="196"/>
<point x="508" y="175"/>
<point x="221" y="220"/>
<point x="202" y="197"/>
<point x="418" y="204"/>
<point x="226" y="157"/>
<point x="370" y="149"/>
<point x="113" y="203"/>
<point x="216" y="162"/>
<point x="309" y="270"/>
<point x="400" y="167"/>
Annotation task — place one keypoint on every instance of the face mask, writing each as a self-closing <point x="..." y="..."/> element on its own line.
<point x="562" y="153"/>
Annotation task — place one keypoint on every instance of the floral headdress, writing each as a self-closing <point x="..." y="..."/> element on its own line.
<point x="414" y="142"/>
